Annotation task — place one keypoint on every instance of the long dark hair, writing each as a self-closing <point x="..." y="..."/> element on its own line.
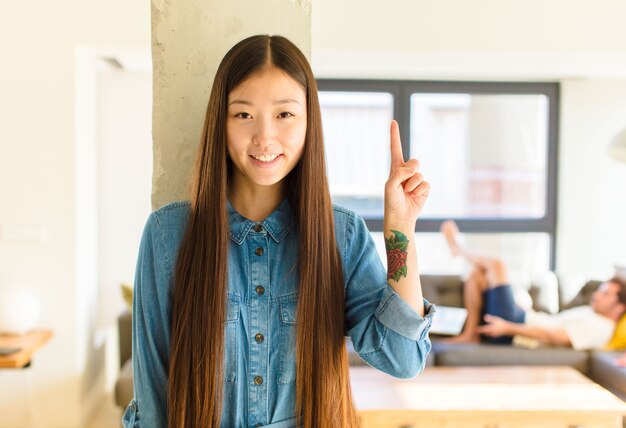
<point x="195" y="384"/>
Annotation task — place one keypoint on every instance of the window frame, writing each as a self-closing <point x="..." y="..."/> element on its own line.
<point x="401" y="90"/>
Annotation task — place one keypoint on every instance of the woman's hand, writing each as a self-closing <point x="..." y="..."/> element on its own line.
<point x="405" y="189"/>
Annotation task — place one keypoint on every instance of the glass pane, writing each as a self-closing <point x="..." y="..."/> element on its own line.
<point x="484" y="155"/>
<point x="356" y="133"/>
<point x="526" y="255"/>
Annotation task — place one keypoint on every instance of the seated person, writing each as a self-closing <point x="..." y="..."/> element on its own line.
<point x="488" y="296"/>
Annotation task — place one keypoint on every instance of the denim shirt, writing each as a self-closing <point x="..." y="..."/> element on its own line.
<point x="260" y="367"/>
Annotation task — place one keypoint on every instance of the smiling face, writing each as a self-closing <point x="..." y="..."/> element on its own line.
<point x="265" y="129"/>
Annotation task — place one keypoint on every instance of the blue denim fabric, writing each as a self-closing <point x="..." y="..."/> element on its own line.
<point x="385" y="331"/>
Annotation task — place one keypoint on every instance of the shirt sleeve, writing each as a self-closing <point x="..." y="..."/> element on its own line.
<point x="385" y="331"/>
<point x="150" y="348"/>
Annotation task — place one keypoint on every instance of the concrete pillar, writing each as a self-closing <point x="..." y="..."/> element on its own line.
<point x="188" y="41"/>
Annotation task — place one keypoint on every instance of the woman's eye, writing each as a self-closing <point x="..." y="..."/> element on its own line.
<point x="285" y="114"/>
<point x="243" y="115"/>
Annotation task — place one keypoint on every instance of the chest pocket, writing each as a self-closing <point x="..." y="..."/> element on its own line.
<point x="231" y="334"/>
<point x="287" y="366"/>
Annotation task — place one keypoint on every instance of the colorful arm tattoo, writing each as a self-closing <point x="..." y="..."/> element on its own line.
<point x="396" y="246"/>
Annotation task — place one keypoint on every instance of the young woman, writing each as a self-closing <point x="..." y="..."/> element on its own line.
<point x="244" y="296"/>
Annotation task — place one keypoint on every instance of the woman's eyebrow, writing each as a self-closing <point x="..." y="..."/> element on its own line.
<point x="239" y="101"/>
<point x="277" y="102"/>
<point x="287" y="101"/>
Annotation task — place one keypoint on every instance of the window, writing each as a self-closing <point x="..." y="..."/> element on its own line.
<point x="487" y="148"/>
<point x="356" y="123"/>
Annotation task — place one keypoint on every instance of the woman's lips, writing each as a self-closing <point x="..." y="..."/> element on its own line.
<point x="262" y="164"/>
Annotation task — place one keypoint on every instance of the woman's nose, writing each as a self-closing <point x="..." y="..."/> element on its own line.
<point x="264" y="133"/>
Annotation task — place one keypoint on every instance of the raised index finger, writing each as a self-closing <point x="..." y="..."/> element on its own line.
<point x="396" y="145"/>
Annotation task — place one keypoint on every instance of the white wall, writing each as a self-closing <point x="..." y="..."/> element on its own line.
<point x="38" y="41"/>
<point x="481" y="39"/>
<point x="592" y="197"/>
<point x="480" y="25"/>
<point x="581" y="43"/>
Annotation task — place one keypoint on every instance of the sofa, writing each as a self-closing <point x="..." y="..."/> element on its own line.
<point x="448" y="290"/>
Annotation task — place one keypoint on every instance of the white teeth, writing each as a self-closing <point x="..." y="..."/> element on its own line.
<point x="265" y="158"/>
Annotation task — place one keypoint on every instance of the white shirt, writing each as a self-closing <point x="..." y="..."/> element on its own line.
<point x="585" y="328"/>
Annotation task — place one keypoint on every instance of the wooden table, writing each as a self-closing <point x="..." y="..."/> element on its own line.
<point x="28" y="343"/>
<point x="485" y="397"/>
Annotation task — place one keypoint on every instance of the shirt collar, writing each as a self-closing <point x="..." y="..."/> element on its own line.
<point x="277" y="224"/>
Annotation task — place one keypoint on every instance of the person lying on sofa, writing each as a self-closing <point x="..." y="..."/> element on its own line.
<point x="487" y="294"/>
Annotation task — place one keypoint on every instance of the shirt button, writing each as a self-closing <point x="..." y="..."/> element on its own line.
<point x="257" y="228"/>
<point x="259" y="290"/>
<point x="259" y="251"/>
<point x="258" y="380"/>
<point x="259" y="338"/>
